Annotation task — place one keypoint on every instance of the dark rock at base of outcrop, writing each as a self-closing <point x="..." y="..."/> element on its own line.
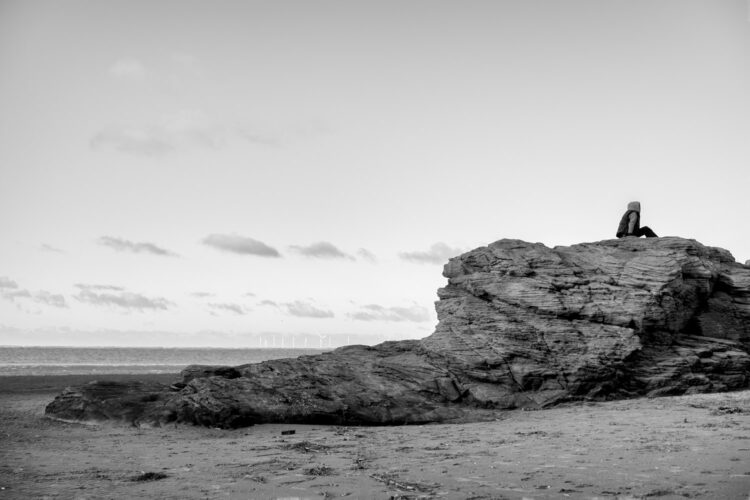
<point x="106" y="400"/>
<point x="520" y="325"/>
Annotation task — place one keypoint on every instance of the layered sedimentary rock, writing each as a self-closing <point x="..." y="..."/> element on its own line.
<point x="520" y="325"/>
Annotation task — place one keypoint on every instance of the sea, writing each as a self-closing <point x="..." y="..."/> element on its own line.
<point x="129" y="360"/>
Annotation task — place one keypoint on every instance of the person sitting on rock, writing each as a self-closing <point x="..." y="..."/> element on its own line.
<point x="630" y="224"/>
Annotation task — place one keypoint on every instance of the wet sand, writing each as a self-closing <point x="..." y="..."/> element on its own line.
<point x="694" y="446"/>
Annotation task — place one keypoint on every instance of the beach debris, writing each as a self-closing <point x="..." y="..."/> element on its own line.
<point x="698" y="405"/>
<point x="660" y="492"/>
<point x="257" y="479"/>
<point x="308" y="447"/>
<point x="531" y="433"/>
<point x="727" y="410"/>
<point x="288" y="433"/>
<point x="348" y="434"/>
<point x="393" y="481"/>
<point x="149" y="476"/>
<point x="319" y="470"/>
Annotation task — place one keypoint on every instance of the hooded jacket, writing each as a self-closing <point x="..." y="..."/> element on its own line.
<point x="631" y="220"/>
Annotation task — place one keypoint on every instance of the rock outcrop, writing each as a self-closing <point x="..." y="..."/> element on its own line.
<point x="520" y="325"/>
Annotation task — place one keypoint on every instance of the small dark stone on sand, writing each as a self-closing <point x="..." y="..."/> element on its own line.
<point x="149" y="476"/>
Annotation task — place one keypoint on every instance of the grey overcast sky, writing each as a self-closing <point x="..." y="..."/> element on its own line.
<point x="196" y="173"/>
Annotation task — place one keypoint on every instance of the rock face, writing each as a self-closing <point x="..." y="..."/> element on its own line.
<point x="520" y="325"/>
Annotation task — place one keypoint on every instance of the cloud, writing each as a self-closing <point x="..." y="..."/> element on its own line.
<point x="7" y="283"/>
<point x="299" y="308"/>
<point x="375" y="312"/>
<point x="192" y="127"/>
<point x="49" y="248"/>
<point x="306" y="310"/>
<point x="255" y="137"/>
<point x="16" y="293"/>
<point x="439" y="253"/>
<point x="367" y="255"/>
<point x="134" y="141"/>
<point x="230" y="307"/>
<point x="9" y="290"/>
<point x="128" y="69"/>
<point x="50" y="299"/>
<point x="179" y="130"/>
<point x="122" y="245"/>
<point x="83" y="286"/>
<point x="202" y="295"/>
<point x="120" y="298"/>
<point x="321" y="250"/>
<point x="240" y="244"/>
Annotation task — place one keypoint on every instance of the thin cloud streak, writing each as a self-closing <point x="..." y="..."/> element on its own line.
<point x="139" y="142"/>
<point x="307" y="310"/>
<point x="122" y="245"/>
<point x="128" y="69"/>
<point x="257" y="137"/>
<point x="367" y="255"/>
<point x="179" y="130"/>
<point x="7" y="283"/>
<point x="122" y="299"/>
<point x="10" y="291"/>
<point x="50" y="299"/>
<point x="438" y="253"/>
<point x="14" y="294"/>
<point x="228" y="307"/>
<point x="321" y="250"/>
<point x="49" y="248"/>
<point x="84" y="286"/>
<point x="375" y="312"/>
<point x="241" y="245"/>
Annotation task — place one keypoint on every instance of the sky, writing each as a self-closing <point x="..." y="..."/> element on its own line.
<point x="226" y="173"/>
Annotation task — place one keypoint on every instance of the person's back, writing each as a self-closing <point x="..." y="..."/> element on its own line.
<point x="630" y="223"/>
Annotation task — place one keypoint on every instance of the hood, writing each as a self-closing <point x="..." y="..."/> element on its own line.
<point x="635" y="205"/>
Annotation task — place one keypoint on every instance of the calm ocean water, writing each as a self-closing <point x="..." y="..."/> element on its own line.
<point x="96" y="360"/>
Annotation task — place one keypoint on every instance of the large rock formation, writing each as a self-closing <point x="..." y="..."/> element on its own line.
<point x="520" y="325"/>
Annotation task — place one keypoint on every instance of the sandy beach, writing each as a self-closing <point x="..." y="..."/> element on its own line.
<point x="694" y="446"/>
